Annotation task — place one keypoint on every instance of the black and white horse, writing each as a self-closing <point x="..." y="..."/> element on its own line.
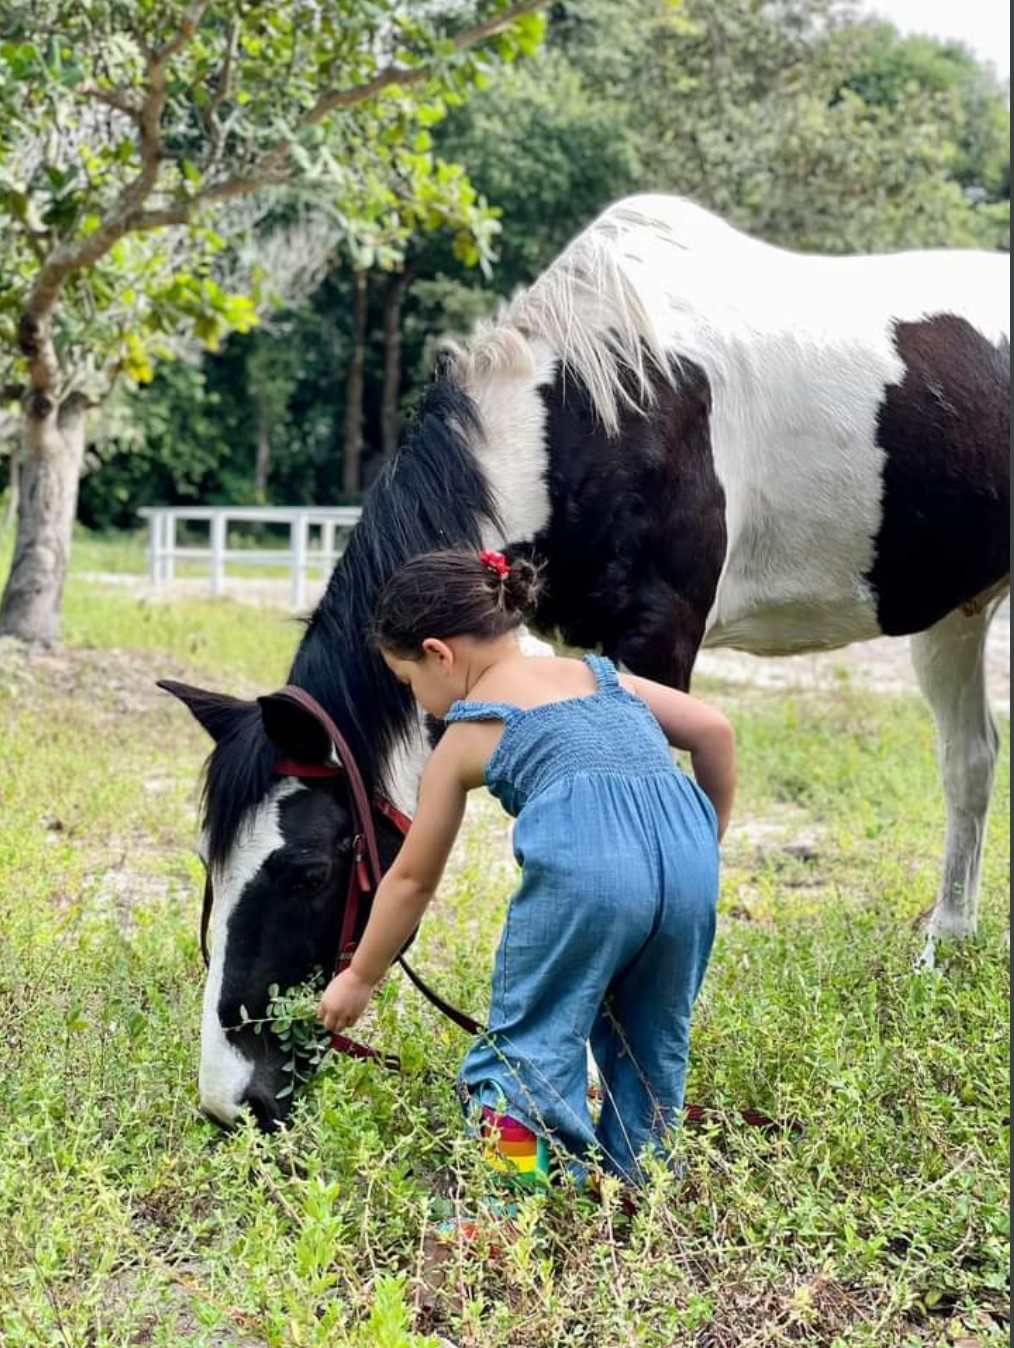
<point x="708" y="441"/>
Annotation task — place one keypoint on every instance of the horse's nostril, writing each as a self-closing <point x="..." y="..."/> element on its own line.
<point x="266" y="1111"/>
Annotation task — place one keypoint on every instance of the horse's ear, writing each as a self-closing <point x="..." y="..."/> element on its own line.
<point x="216" y="712"/>
<point x="295" y="729"/>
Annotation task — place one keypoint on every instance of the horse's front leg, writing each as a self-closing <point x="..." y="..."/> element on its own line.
<point x="662" y="642"/>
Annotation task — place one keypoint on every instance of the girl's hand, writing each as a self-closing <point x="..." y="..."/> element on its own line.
<point x="344" y="1000"/>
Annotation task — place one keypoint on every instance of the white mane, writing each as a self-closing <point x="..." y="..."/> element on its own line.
<point x="588" y="309"/>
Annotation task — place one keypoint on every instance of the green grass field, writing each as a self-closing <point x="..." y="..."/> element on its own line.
<point x="126" y="1219"/>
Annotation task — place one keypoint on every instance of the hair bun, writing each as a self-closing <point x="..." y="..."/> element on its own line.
<point x="521" y="586"/>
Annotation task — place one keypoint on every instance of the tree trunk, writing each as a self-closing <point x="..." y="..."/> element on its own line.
<point x="262" y="462"/>
<point x="394" y="296"/>
<point x="50" y="471"/>
<point x="352" y="449"/>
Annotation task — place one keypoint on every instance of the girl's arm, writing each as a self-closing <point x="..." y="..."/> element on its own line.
<point x="702" y="731"/>
<point x="407" y="889"/>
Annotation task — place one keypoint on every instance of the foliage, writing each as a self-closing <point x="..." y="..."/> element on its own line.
<point x="125" y="1218"/>
<point x="126" y="131"/>
<point x="786" y="119"/>
<point x="178" y="443"/>
<point x="291" y="1018"/>
<point x="893" y="66"/>
<point x="543" y="146"/>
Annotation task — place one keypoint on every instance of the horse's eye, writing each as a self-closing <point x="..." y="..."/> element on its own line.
<point x="309" y="879"/>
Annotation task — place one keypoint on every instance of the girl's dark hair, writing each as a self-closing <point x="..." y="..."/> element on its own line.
<point x="452" y="594"/>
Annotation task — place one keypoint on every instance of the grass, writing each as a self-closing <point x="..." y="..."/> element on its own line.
<point x="126" y="1219"/>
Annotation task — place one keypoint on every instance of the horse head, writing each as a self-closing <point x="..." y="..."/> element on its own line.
<point x="281" y="833"/>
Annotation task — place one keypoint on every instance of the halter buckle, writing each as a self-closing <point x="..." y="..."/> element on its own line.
<point x="359" y="859"/>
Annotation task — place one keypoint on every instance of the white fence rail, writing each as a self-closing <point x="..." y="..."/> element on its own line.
<point x="316" y="540"/>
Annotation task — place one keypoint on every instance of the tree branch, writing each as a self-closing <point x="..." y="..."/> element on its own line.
<point x="68" y="258"/>
<point x="402" y="75"/>
<point x="216" y="132"/>
<point x="161" y="56"/>
<point x="182" y="212"/>
<point x="111" y="99"/>
<point x="128" y="211"/>
<point x="270" y="162"/>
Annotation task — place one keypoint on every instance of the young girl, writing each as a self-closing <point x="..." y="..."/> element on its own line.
<point x="608" y="935"/>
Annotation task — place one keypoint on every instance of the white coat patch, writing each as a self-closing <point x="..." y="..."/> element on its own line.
<point x="225" y="1073"/>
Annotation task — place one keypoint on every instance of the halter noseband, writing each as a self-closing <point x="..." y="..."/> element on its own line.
<point x="366" y="871"/>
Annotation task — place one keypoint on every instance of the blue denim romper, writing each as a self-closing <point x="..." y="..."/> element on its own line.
<point x="608" y="935"/>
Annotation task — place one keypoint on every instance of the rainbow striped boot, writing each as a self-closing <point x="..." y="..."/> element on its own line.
<point x="520" y="1160"/>
<point x="517" y="1154"/>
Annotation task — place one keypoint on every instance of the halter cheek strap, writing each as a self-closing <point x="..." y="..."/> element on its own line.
<point x="367" y="871"/>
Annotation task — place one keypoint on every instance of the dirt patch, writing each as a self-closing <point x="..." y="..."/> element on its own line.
<point x="784" y="840"/>
<point x="115" y="683"/>
<point x="785" y="829"/>
<point x="174" y="1297"/>
<point x="823" y="1310"/>
<point x="129" y="884"/>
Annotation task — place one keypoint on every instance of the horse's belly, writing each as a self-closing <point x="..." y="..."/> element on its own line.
<point x="794" y="581"/>
<point x="791" y="627"/>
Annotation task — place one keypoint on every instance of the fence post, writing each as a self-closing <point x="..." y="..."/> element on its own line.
<point x="299" y="533"/>
<point x="169" y="546"/>
<point x="219" y="535"/>
<point x="327" y="548"/>
<point x="154" y="539"/>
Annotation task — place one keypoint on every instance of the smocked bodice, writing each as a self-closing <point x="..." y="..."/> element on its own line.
<point x="608" y="733"/>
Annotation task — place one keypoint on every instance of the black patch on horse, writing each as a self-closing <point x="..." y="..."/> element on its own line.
<point x="945" y="430"/>
<point x="636" y="539"/>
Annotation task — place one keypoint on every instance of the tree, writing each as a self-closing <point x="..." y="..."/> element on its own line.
<point x="126" y="128"/>
<point x="544" y="147"/>
<point x="973" y="106"/>
<point x="795" y="122"/>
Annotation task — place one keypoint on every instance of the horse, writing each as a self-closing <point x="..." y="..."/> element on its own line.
<point x="705" y="440"/>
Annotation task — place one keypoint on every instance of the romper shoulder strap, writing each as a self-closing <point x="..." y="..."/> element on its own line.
<point x="605" y="672"/>
<point x="481" y="711"/>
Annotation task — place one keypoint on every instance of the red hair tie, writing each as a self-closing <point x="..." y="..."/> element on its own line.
<point x="497" y="562"/>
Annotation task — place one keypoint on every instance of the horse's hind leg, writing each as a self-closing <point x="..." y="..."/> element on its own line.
<point x="950" y="665"/>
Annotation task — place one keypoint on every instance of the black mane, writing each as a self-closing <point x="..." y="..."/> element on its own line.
<point x="432" y="494"/>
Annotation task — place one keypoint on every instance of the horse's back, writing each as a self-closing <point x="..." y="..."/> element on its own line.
<point x="684" y="254"/>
